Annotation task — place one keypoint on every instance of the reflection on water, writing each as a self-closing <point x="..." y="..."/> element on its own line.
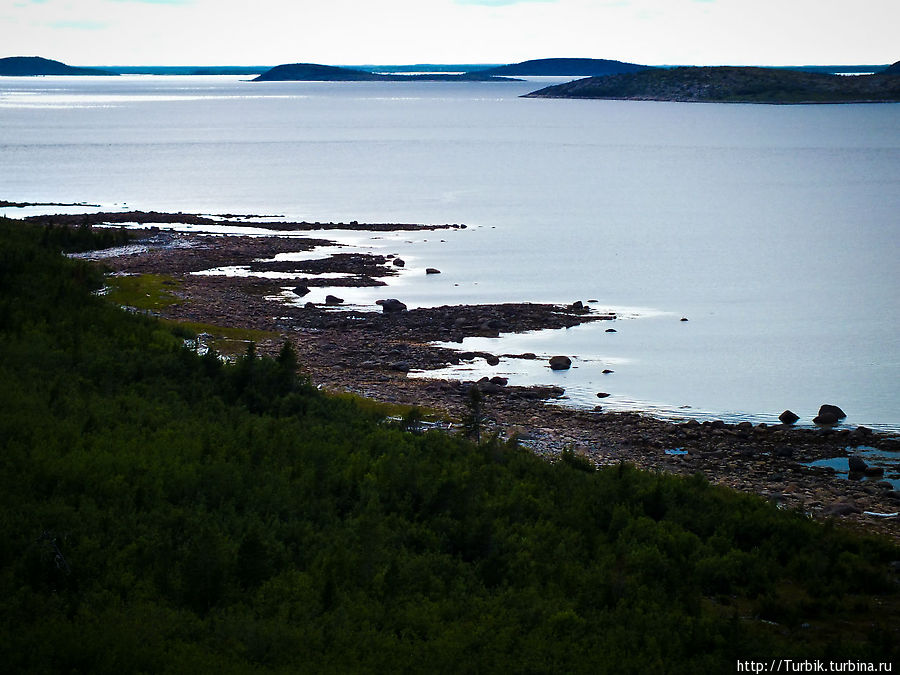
<point x="772" y="228"/>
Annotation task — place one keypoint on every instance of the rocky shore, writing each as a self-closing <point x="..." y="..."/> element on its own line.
<point x="371" y="353"/>
<point x="228" y="219"/>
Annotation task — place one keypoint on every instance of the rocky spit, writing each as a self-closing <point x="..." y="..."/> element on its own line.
<point x="372" y="353"/>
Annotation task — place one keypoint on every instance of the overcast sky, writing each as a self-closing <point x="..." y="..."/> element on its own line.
<point x="269" y="32"/>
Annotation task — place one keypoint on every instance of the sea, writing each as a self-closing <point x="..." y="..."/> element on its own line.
<point x="774" y="230"/>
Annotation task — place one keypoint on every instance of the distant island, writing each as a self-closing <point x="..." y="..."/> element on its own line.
<point x="893" y="69"/>
<point x="731" y="84"/>
<point x="314" y="72"/>
<point x="22" y="66"/>
<point x="576" y="67"/>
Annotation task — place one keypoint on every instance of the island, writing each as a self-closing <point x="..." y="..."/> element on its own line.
<point x="559" y="66"/>
<point x="26" y="66"/>
<point x="731" y="84"/>
<point x="315" y="72"/>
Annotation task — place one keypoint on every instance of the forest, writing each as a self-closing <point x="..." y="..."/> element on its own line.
<point x="165" y="511"/>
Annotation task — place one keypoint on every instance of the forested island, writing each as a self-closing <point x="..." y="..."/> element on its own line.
<point x="314" y="72"/>
<point x="731" y="84"/>
<point x="563" y="66"/>
<point x="21" y="66"/>
<point x="166" y="510"/>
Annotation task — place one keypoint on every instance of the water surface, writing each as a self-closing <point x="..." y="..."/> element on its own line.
<point x="774" y="229"/>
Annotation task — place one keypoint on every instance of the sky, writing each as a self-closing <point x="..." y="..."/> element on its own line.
<point x="345" y="32"/>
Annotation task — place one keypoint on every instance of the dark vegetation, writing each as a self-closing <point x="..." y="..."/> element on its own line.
<point x="163" y="511"/>
<point x="35" y="65"/>
<point x="727" y="84"/>
<point x="579" y="67"/>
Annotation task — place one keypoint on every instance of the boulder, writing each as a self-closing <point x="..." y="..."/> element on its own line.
<point x="577" y="306"/>
<point x="333" y="300"/>
<point x="607" y="371"/>
<point x="827" y="409"/>
<point x="500" y="381"/>
<point x="560" y="362"/>
<point x="492" y="360"/>
<point x="301" y="290"/>
<point x="684" y="318"/>
<point x="602" y="394"/>
<point x="489" y="388"/>
<point x="432" y="270"/>
<point x="788" y="417"/>
<point x="398" y="262"/>
<point x="391" y="305"/>
<point x="874" y="471"/>
<point x="611" y="330"/>
<point x="840" y="509"/>
<point x="857" y="464"/>
<point x="826" y="418"/>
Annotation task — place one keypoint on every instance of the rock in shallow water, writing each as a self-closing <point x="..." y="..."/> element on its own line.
<point x="829" y="414"/>
<point x="788" y="417"/>
<point x="391" y="305"/>
<point x="560" y="363"/>
<point x="857" y="464"/>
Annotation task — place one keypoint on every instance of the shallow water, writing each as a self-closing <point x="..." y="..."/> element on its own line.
<point x="774" y="229"/>
<point x="889" y="461"/>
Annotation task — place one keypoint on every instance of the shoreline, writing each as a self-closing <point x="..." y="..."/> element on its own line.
<point x="371" y="354"/>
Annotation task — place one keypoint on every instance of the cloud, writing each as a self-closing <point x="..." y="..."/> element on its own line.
<point x="496" y="3"/>
<point x="156" y="2"/>
<point x="78" y="25"/>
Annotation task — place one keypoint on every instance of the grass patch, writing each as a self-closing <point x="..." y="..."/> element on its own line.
<point x="143" y="291"/>
<point x="226" y="340"/>
<point x="385" y="409"/>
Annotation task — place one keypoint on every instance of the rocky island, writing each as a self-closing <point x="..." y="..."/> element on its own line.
<point x="315" y="72"/>
<point x="731" y="84"/>
<point x="22" y="66"/>
<point x="558" y="66"/>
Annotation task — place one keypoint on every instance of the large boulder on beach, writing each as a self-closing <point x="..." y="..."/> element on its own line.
<point x="560" y="362"/>
<point x="391" y="305"/>
<point x="841" y="509"/>
<point x="398" y="262"/>
<point x="301" y="290"/>
<point x="831" y="410"/>
<point x="333" y="300"/>
<point x="788" y="417"/>
<point x="857" y="464"/>
<point x="432" y="270"/>
<point x="826" y="418"/>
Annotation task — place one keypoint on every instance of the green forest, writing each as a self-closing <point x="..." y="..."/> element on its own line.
<point x="164" y="511"/>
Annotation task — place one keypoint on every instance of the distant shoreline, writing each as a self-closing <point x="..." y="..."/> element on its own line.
<point x="726" y="84"/>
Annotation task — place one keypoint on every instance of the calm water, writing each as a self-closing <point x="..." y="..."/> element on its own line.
<point x="774" y="229"/>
